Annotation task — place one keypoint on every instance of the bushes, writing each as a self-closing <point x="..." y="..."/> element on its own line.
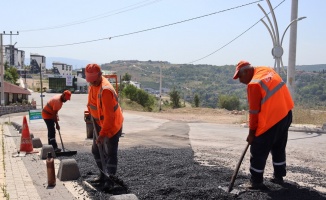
<point x="196" y="100"/>
<point x="139" y="96"/>
<point x="175" y="98"/>
<point x="229" y="102"/>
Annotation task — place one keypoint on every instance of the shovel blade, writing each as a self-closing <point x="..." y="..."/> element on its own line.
<point x="233" y="191"/>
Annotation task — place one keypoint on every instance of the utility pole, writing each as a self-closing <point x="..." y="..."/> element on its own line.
<point x="2" y="65"/>
<point x="41" y="86"/>
<point x="11" y="46"/>
<point x="290" y="81"/>
<point x="25" y="84"/>
<point x="2" y="73"/>
<point x="160" y="87"/>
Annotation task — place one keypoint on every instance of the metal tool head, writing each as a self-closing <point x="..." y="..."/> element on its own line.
<point x="235" y="192"/>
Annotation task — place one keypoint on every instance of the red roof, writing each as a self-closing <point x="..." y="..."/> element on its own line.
<point x="11" y="88"/>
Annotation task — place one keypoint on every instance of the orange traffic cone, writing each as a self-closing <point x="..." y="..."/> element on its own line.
<point x="26" y="141"/>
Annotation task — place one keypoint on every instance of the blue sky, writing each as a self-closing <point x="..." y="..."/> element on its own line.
<point x="83" y="20"/>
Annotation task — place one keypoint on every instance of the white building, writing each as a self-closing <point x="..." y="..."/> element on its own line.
<point x="14" y="57"/>
<point x="38" y="63"/>
<point x="61" y="69"/>
<point x="136" y="84"/>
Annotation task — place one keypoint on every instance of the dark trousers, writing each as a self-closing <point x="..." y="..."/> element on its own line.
<point x="51" y="132"/>
<point x="273" y="140"/>
<point x="109" y="151"/>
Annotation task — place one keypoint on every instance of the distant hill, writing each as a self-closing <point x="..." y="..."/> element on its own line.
<point x="311" y="68"/>
<point x="77" y="64"/>
<point x="211" y="81"/>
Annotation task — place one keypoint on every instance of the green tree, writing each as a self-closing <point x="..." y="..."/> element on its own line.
<point x="175" y="98"/>
<point x="139" y="96"/>
<point x="196" y="100"/>
<point x="229" y="102"/>
<point x="11" y="74"/>
<point x="130" y="92"/>
<point x="126" y="77"/>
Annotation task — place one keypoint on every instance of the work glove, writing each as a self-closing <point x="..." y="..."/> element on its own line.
<point x="251" y="136"/>
<point x="100" y="139"/>
<point x="57" y="127"/>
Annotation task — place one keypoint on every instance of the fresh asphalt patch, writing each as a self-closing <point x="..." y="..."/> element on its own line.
<point x="164" y="173"/>
<point x="173" y="173"/>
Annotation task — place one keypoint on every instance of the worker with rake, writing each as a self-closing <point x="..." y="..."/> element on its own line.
<point x="270" y="117"/>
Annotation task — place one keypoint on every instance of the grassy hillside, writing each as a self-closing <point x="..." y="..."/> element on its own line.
<point x="210" y="81"/>
<point x="311" y="68"/>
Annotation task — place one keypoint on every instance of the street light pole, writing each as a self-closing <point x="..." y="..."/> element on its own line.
<point x="277" y="50"/>
<point x="290" y="81"/>
<point x="295" y="20"/>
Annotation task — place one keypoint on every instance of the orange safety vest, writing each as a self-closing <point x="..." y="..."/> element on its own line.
<point x="95" y="107"/>
<point x="53" y="105"/>
<point x="275" y="101"/>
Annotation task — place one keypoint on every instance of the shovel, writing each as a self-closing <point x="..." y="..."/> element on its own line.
<point x="235" y="173"/>
<point x="64" y="152"/>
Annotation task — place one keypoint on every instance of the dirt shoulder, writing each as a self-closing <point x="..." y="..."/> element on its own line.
<point x="209" y="115"/>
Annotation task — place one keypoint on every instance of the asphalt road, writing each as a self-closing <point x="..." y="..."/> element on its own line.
<point x="212" y="144"/>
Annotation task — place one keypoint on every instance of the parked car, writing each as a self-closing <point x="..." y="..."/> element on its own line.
<point x="49" y="91"/>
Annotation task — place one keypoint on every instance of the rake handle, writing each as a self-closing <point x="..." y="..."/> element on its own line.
<point x="235" y="173"/>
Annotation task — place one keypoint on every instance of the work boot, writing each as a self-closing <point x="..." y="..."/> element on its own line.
<point x="107" y="186"/>
<point x="254" y="186"/>
<point x="277" y="180"/>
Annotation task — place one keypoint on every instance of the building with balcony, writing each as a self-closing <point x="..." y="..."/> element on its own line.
<point x="14" y="57"/>
<point x="61" y="69"/>
<point x="37" y="63"/>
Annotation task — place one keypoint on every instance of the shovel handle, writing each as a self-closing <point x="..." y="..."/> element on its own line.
<point x="100" y="147"/>
<point x="63" y="148"/>
<point x="235" y="173"/>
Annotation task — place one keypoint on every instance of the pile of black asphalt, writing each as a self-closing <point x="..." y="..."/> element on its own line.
<point x="154" y="172"/>
<point x="173" y="173"/>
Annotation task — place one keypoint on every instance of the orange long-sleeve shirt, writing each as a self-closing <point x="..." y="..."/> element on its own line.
<point x="110" y="120"/>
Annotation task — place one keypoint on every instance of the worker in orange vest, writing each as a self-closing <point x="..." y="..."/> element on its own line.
<point x="104" y="108"/>
<point x="50" y="116"/>
<point x="270" y="116"/>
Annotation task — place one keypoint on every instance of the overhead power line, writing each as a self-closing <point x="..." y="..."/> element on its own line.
<point x="144" y="30"/>
<point x="234" y="38"/>
<point x="104" y="15"/>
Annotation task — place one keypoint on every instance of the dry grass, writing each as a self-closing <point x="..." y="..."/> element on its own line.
<point x="307" y="116"/>
<point x="126" y="104"/>
<point x="301" y="115"/>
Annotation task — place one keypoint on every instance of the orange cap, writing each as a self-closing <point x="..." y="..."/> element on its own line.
<point x="92" y="72"/>
<point x="241" y="64"/>
<point x="67" y="94"/>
